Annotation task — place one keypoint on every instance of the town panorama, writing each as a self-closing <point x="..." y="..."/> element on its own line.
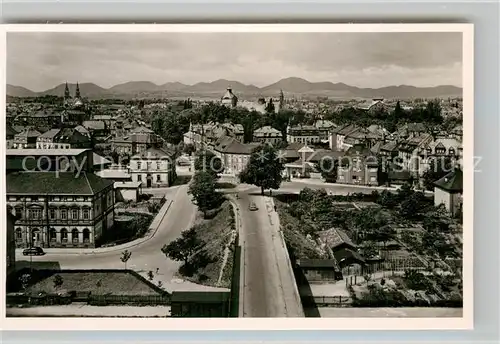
<point x="222" y="199"/>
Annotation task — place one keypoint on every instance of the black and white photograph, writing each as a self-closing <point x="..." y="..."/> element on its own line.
<point x="252" y="171"/>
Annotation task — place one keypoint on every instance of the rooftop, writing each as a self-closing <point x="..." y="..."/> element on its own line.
<point x="45" y="152"/>
<point x="452" y="182"/>
<point x="55" y="183"/>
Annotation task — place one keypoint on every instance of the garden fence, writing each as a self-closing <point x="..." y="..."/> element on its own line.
<point x="326" y="301"/>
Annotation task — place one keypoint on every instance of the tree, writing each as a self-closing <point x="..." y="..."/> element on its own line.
<point x="207" y="161"/>
<point x="58" y="281"/>
<point x="270" y="106"/>
<point x="414" y="205"/>
<point x="25" y="280"/>
<point x="264" y="169"/>
<point x="387" y="199"/>
<point x="328" y="168"/>
<point x="188" y="149"/>
<point x="125" y="257"/>
<point x="203" y="189"/>
<point x="184" y="247"/>
<point x="438" y="168"/>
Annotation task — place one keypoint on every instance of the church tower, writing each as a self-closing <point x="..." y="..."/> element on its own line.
<point x="66" y="92"/>
<point x="77" y="94"/>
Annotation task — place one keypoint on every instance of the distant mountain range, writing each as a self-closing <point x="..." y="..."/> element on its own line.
<point x="290" y="86"/>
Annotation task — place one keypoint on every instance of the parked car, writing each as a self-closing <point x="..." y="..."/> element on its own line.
<point x="252" y="207"/>
<point x="33" y="251"/>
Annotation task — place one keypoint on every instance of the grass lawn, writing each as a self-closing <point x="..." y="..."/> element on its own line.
<point x="100" y="283"/>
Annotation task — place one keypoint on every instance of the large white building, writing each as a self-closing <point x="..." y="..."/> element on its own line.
<point x="60" y="209"/>
<point x="153" y="168"/>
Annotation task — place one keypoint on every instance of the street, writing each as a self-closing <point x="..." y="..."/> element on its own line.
<point x="265" y="293"/>
<point x="146" y="256"/>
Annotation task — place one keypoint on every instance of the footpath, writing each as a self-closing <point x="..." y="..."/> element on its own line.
<point x="153" y="228"/>
<point x="291" y="296"/>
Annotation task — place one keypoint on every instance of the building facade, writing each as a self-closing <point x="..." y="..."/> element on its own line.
<point x="11" y="244"/>
<point x="359" y="166"/>
<point x="267" y="134"/>
<point x="448" y="192"/>
<point x="154" y="167"/>
<point x="60" y="209"/>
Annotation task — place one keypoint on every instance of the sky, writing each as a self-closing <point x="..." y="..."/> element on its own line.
<point x="39" y="61"/>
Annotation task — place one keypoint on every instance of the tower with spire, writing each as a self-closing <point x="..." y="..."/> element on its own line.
<point x="77" y="93"/>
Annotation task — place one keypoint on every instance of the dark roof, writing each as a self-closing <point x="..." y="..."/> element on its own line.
<point x="9" y="131"/>
<point x="334" y="237"/>
<point x="233" y="146"/>
<point x="390" y="146"/>
<point x="347" y="129"/>
<point x="19" y="163"/>
<point x="376" y="147"/>
<point x="345" y="253"/>
<point x="200" y="296"/>
<point x="452" y="182"/>
<point x="316" y="263"/>
<point x="94" y="125"/>
<point x="50" y="134"/>
<point x="71" y="135"/>
<point x="55" y="183"/>
<point x="154" y="153"/>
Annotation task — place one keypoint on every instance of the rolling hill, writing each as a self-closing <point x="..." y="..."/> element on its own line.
<point x="290" y="86"/>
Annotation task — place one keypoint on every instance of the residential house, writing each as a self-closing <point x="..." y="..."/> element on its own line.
<point x="441" y="148"/>
<point x="134" y="143"/>
<point x="26" y="139"/>
<point x="376" y="105"/>
<point x="307" y="134"/>
<point x="341" y="248"/>
<point x="358" y="166"/>
<point x="337" y="136"/>
<point x="60" y="209"/>
<point x="234" y="155"/>
<point x="448" y="192"/>
<point x="410" y="130"/>
<point x="127" y="191"/>
<point x="319" y="270"/>
<point x="97" y="129"/>
<point x="267" y="134"/>
<point x="154" y="167"/>
<point x="10" y="133"/>
<point x="40" y="118"/>
<point x="310" y="162"/>
<point x="458" y="132"/>
<point x="70" y="138"/>
<point x="208" y="135"/>
<point x="234" y="130"/>
<point x="46" y="140"/>
<point x="409" y="151"/>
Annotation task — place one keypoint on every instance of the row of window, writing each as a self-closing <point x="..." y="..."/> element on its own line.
<point x="36" y="235"/>
<point x="139" y="178"/>
<point x="64" y="214"/>
<point x="149" y="164"/>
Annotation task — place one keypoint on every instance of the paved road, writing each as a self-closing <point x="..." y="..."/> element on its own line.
<point x="146" y="256"/>
<point x="265" y="293"/>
